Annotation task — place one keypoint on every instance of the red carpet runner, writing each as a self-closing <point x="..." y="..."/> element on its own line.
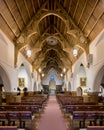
<point x="52" y="118"/>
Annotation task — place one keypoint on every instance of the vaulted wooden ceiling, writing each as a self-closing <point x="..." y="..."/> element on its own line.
<point x="51" y="29"/>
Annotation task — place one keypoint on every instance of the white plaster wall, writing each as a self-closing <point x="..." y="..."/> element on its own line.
<point x="23" y="74"/>
<point x="75" y="70"/>
<point x="46" y="79"/>
<point x="7" y="61"/>
<point x="27" y="72"/>
<point x="97" y="49"/>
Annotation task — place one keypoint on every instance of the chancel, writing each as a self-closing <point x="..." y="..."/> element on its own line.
<point x="52" y="64"/>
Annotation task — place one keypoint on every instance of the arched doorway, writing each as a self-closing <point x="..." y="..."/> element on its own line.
<point x="4" y="84"/>
<point x="81" y="79"/>
<point x="52" y="86"/>
<point x="24" y="80"/>
<point x="99" y="81"/>
<point x="69" y="86"/>
<point x="79" y="91"/>
<point x="4" y="79"/>
<point x="53" y="81"/>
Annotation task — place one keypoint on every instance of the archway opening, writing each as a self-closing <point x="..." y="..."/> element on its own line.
<point x="81" y="79"/>
<point x="99" y="82"/>
<point x="4" y="79"/>
<point x="23" y="78"/>
<point x="4" y="85"/>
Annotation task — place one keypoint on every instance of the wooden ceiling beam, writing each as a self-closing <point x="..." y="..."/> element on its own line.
<point x="32" y="3"/>
<point x="90" y="15"/>
<point x="65" y="2"/>
<point x="34" y="17"/>
<point x="65" y="42"/>
<point x="27" y="9"/>
<point x="20" y="12"/>
<point x="15" y="19"/>
<point x="68" y="17"/>
<point x="69" y="6"/>
<point x="8" y="24"/>
<point x="39" y="3"/>
<point x="95" y="23"/>
<point x="61" y="13"/>
<point x="76" y="32"/>
<point x="76" y="8"/>
<point x="82" y="11"/>
<point x="40" y="38"/>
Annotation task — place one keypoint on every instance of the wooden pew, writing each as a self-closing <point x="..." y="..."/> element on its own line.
<point x="32" y="108"/>
<point x="79" y="118"/>
<point x="95" y="127"/>
<point x="100" y="118"/>
<point x="71" y="108"/>
<point x="25" y="116"/>
<point x="18" y="118"/>
<point x="13" y="118"/>
<point x="8" y="128"/>
<point x="86" y="118"/>
<point x="3" y="117"/>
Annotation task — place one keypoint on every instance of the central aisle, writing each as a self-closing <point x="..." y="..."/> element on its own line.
<point x="52" y="118"/>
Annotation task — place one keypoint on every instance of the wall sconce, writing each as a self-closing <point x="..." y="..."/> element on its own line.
<point x="64" y="70"/>
<point x="39" y="70"/>
<point x="75" y="52"/>
<point x="42" y="75"/>
<point x="61" y="75"/>
<point x="28" y="53"/>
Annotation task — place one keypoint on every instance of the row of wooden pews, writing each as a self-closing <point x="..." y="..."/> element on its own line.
<point x="86" y="118"/>
<point x="22" y="114"/>
<point x="18" y="118"/>
<point x="95" y="128"/>
<point x="81" y="114"/>
<point x="84" y="106"/>
<point x="8" y="128"/>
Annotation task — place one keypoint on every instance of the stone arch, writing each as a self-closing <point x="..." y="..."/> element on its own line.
<point x="79" y="91"/>
<point x="27" y="69"/>
<point x="69" y="86"/>
<point x="78" y="73"/>
<point x="98" y="79"/>
<point x="5" y="79"/>
<point x="35" y="86"/>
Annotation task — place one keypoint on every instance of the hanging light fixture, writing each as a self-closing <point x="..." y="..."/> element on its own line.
<point x="75" y="52"/>
<point x="28" y="53"/>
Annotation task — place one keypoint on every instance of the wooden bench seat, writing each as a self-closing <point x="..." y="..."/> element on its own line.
<point x="85" y="118"/>
<point x="25" y="116"/>
<point x="95" y="127"/>
<point x="71" y="108"/>
<point x="18" y="118"/>
<point x="8" y="128"/>
<point x="3" y="117"/>
<point x="32" y="108"/>
<point x="13" y="117"/>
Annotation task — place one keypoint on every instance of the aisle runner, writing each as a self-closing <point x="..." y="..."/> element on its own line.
<point x="52" y="118"/>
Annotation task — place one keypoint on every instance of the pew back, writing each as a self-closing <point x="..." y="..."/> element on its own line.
<point x="95" y="128"/>
<point x="8" y="128"/>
